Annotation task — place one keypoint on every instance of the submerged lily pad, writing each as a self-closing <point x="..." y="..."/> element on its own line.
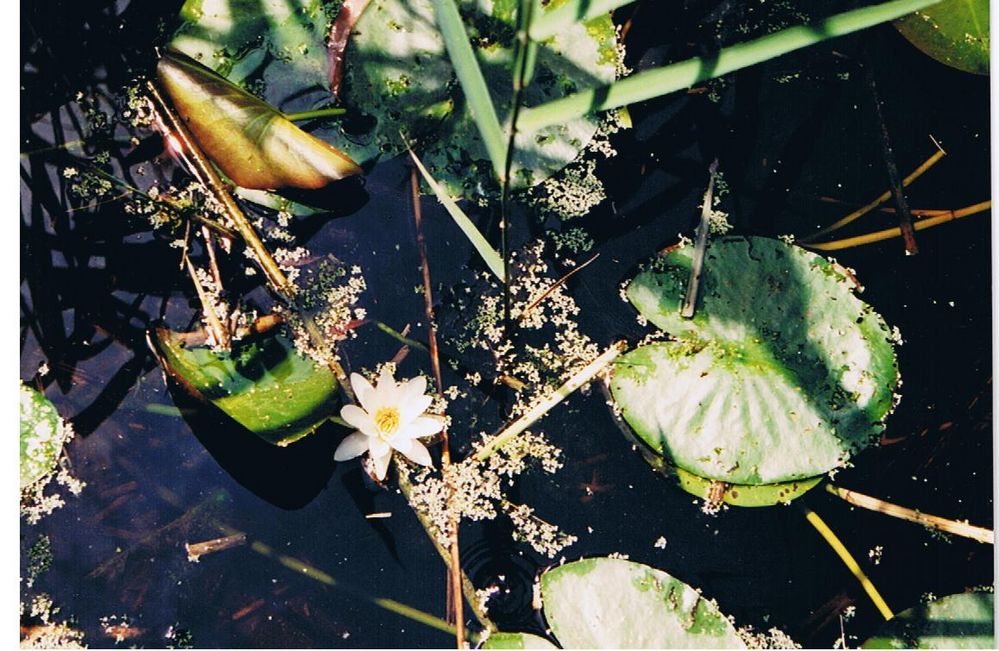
<point x="254" y="144"/>
<point x="398" y="74"/>
<point x="601" y="603"/>
<point x="265" y="385"/>
<point x="781" y="375"/>
<point x="954" y="32"/>
<point x="957" y="621"/>
<point x="43" y="436"/>
<point x="516" y="641"/>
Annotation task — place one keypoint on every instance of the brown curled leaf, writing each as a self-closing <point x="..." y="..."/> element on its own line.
<point x="251" y="142"/>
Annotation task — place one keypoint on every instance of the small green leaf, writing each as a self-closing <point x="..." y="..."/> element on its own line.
<point x="43" y="435"/>
<point x="265" y="384"/>
<point x="250" y="141"/>
<point x="958" y="621"/>
<point x="954" y="32"/>
<point x="781" y="375"/>
<point x="516" y="641"/>
<point x="608" y="603"/>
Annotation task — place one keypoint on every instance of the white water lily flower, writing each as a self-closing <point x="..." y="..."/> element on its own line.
<point x="390" y="417"/>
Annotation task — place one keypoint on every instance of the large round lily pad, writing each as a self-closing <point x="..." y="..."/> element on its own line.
<point x="958" y="621"/>
<point x="601" y="603"/>
<point x="264" y="385"/>
<point x="43" y="436"/>
<point x="954" y="32"/>
<point x="398" y="74"/>
<point x="781" y="375"/>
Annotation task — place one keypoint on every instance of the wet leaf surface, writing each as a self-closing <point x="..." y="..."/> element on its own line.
<point x="254" y="144"/>
<point x="264" y="385"/>
<point x="782" y="374"/>
<point x="42" y="436"/>
<point x="954" y="32"/>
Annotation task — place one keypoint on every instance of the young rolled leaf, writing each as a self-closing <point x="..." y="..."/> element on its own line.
<point x="43" y="435"/>
<point x="250" y="141"/>
<point x="264" y="385"/>
<point x="677" y="76"/>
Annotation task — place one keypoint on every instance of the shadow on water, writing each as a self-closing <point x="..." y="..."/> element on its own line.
<point x="288" y="477"/>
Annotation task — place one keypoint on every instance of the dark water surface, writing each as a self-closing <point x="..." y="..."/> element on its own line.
<point x="92" y="281"/>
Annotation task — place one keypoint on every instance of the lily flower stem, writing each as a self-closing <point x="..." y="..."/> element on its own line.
<point x="848" y="560"/>
<point x="454" y="567"/>
<point x="963" y="529"/>
<point x="467" y="588"/>
<point x="542" y="408"/>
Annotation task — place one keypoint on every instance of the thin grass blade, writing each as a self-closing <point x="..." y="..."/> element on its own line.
<point x="473" y="84"/>
<point x="667" y="79"/>
<point x="488" y="253"/>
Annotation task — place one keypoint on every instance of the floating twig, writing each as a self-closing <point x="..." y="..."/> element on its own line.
<point x="558" y="283"/>
<point x="219" y="333"/>
<point x="539" y="410"/>
<point x="196" y="550"/>
<point x="848" y="560"/>
<point x="897" y="190"/>
<point x="883" y="197"/>
<point x="697" y="265"/>
<point x="889" y="233"/>
<point x="963" y="529"/>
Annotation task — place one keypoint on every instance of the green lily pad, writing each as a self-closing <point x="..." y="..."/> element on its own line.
<point x="279" y="42"/>
<point x="781" y="375"/>
<point x="265" y="385"/>
<point x="516" y="641"/>
<point x="398" y="73"/>
<point x="746" y="495"/>
<point x="958" y="621"/>
<point x="600" y="603"/>
<point x="43" y="435"/>
<point x="954" y="32"/>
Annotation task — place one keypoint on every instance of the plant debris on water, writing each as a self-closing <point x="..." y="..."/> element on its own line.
<point x="322" y="346"/>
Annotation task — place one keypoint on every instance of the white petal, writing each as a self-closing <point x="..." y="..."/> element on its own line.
<point x="354" y="445"/>
<point x="412" y="408"/>
<point x="379" y="447"/>
<point x="365" y="392"/>
<point x="419" y="454"/>
<point x="415" y="388"/>
<point x="401" y="443"/>
<point x="381" y="464"/>
<point x="423" y="426"/>
<point x="359" y="418"/>
<point x="387" y="390"/>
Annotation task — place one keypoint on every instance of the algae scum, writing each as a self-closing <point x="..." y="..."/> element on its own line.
<point x="228" y="207"/>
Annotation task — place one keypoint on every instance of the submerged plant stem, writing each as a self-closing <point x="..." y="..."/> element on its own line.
<point x="963" y="529"/>
<point x="848" y="560"/>
<point x="456" y="607"/>
<point x="889" y="233"/>
<point x="542" y="408"/>
<point x="304" y="569"/>
<point x="883" y="197"/>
